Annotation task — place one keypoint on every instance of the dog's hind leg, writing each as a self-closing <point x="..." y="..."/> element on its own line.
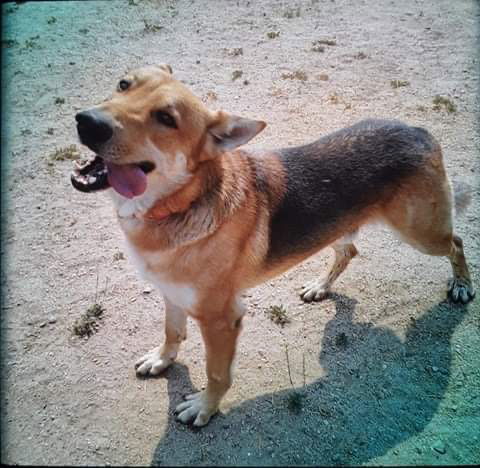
<point x="422" y="214"/>
<point x="460" y="287"/>
<point x="344" y="252"/>
<point x="159" y="358"/>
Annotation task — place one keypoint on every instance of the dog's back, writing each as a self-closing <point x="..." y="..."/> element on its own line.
<point x="333" y="184"/>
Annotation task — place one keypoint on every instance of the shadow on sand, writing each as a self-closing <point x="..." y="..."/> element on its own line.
<point x="377" y="392"/>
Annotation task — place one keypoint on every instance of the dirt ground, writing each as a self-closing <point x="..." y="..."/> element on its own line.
<point x="385" y="370"/>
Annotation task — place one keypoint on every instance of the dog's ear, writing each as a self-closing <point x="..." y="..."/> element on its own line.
<point x="166" y="68"/>
<point x="230" y="131"/>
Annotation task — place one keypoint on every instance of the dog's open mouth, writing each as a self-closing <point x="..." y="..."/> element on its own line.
<point x="129" y="180"/>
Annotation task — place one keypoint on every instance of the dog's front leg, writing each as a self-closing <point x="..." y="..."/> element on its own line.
<point x="159" y="358"/>
<point x="220" y="338"/>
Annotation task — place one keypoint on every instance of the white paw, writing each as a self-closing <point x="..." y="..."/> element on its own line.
<point x="314" y="291"/>
<point x="195" y="406"/>
<point x="153" y="363"/>
<point x="461" y="290"/>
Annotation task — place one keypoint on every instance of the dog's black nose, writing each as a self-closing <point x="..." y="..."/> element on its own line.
<point x="94" y="128"/>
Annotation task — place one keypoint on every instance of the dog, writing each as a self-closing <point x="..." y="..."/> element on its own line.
<point x="205" y="220"/>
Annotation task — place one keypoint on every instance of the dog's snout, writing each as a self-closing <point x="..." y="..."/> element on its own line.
<point x="94" y="128"/>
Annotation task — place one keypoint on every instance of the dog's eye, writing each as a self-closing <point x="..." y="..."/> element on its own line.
<point x="123" y="85"/>
<point x="165" y="119"/>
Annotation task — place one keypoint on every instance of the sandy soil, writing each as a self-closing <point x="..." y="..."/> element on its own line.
<point x="386" y="371"/>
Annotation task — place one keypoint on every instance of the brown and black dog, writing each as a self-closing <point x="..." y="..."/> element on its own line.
<point x="204" y="220"/>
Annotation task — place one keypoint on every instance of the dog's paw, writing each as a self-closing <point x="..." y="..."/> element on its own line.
<point x="314" y="291"/>
<point x="153" y="363"/>
<point x="460" y="290"/>
<point x="196" y="407"/>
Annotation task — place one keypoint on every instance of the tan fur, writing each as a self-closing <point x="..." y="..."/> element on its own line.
<point x="217" y="244"/>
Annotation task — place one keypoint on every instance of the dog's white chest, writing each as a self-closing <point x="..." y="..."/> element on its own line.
<point x="182" y="295"/>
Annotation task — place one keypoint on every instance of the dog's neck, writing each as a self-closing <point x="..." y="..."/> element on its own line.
<point x="194" y="210"/>
<point x="205" y="178"/>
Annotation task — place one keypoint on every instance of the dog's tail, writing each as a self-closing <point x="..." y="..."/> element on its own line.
<point x="462" y="194"/>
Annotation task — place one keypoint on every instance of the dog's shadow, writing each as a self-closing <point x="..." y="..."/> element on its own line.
<point x="378" y="390"/>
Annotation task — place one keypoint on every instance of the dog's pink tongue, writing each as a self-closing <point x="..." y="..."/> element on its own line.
<point x="127" y="179"/>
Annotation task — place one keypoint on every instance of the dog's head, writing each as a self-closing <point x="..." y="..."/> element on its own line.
<point x="153" y="131"/>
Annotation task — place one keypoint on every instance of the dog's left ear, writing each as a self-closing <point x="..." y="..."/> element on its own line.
<point x="230" y="131"/>
<point x="166" y="68"/>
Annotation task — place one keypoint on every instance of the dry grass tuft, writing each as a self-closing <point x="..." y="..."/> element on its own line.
<point x="151" y="28"/>
<point x="296" y="75"/>
<point x="273" y="34"/>
<point x="69" y="153"/>
<point x="399" y="83"/>
<point x="278" y="315"/>
<point x="236" y="74"/>
<point x="87" y="324"/>
<point x="440" y="102"/>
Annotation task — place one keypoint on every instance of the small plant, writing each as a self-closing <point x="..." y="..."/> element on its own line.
<point x="278" y="315"/>
<point x="96" y="310"/>
<point x="273" y="34"/>
<point x="50" y="130"/>
<point x="236" y="74"/>
<point x="296" y="75"/>
<point x="31" y="44"/>
<point x="59" y="100"/>
<point x="448" y="105"/>
<point x="52" y="20"/>
<point x="421" y="108"/>
<point x="87" y="324"/>
<point x="69" y="153"/>
<point x="296" y="397"/>
<point x="399" y="83"/>
<point x="151" y="27"/>
<point x="83" y="31"/>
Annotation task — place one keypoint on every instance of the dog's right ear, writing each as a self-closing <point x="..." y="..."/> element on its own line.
<point x="227" y="132"/>
<point x="166" y="68"/>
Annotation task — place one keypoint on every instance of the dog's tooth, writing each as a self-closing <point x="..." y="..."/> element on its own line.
<point x="79" y="178"/>
<point x="82" y="163"/>
<point x="77" y="167"/>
